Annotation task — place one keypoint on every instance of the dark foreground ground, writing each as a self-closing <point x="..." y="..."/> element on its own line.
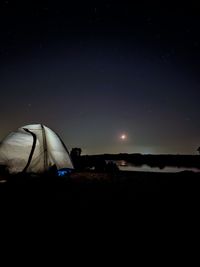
<point x="123" y="217"/>
<point x="92" y="191"/>
<point x="154" y="207"/>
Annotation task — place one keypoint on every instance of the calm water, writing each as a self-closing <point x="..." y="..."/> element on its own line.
<point x="125" y="166"/>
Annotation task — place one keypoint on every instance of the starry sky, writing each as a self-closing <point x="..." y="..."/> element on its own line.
<point x="102" y="69"/>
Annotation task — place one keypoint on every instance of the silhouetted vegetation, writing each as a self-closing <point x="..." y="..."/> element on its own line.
<point x="98" y="164"/>
<point x="75" y="155"/>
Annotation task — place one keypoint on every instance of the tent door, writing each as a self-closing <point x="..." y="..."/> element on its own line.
<point x="32" y="149"/>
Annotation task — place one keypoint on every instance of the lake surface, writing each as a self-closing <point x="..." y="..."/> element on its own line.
<point x="126" y="166"/>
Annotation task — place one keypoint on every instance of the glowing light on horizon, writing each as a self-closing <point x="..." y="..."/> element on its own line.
<point x="123" y="137"/>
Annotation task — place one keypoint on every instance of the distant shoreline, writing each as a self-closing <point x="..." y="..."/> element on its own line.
<point x="160" y="160"/>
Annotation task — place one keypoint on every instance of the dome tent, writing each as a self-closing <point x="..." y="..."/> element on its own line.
<point x="34" y="148"/>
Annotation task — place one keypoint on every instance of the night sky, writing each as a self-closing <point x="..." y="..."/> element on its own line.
<point x="97" y="70"/>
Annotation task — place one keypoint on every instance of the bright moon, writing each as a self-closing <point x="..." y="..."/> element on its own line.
<point x="123" y="137"/>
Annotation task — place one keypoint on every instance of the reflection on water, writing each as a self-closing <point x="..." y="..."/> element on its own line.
<point x="126" y="166"/>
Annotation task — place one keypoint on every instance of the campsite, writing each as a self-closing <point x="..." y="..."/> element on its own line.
<point x="99" y="107"/>
<point x="40" y="170"/>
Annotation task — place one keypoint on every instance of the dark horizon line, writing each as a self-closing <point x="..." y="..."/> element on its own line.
<point x="141" y="154"/>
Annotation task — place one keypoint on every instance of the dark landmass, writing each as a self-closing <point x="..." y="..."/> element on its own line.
<point x="106" y="185"/>
<point x="161" y="161"/>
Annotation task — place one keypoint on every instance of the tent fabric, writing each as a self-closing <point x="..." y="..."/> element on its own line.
<point x="19" y="152"/>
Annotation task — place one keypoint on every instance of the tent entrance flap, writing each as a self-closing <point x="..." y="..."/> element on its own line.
<point x="32" y="149"/>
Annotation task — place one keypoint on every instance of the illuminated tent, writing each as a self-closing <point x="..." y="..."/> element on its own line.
<point x="34" y="148"/>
